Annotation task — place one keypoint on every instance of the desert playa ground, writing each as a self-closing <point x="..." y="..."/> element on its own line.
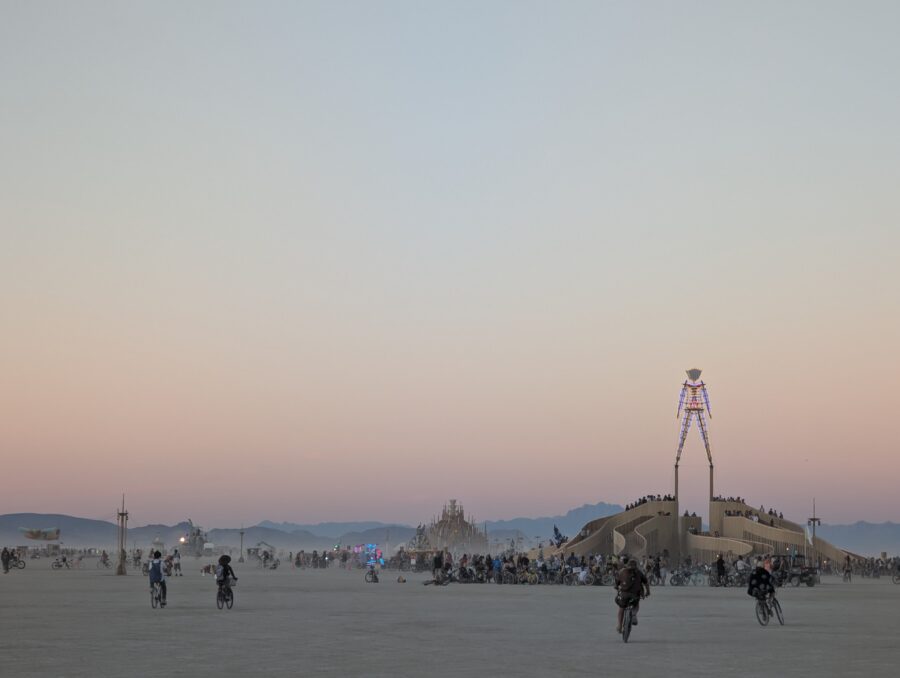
<point x="329" y="623"/>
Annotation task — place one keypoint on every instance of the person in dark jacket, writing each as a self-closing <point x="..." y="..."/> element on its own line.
<point x="632" y="585"/>
<point x="761" y="583"/>
<point x="157" y="573"/>
<point x="224" y="571"/>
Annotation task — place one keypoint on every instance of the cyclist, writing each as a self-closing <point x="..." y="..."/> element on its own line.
<point x="761" y="583"/>
<point x="720" y="570"/>
<point x="157" y="574"/>
<point x="632" y="585"/>
<point x="224" y="571"/>
<point x="848" y="568"/>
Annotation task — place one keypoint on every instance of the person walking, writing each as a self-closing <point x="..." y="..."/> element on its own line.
<point x="5" y="558"/>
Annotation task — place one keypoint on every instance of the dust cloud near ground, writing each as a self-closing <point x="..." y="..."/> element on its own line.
<point x="331" y="623"/>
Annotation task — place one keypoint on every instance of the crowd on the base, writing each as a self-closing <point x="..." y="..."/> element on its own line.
<point x="647" y="499"/>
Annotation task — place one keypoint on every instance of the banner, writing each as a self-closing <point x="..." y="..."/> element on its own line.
<point x="50" y="534"/>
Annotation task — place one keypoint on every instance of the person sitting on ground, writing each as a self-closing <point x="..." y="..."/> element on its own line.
<point x="632" y="585"/>
<point x="157" y="575"/>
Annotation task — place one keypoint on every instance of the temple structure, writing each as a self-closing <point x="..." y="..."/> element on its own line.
<point x="735" y="527"/>
<point x="451" y="531"/>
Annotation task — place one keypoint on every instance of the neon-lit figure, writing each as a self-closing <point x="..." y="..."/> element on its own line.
<point x="694" y="401"/>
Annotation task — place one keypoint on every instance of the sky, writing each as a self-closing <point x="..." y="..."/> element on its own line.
<point x="332" y="261"/>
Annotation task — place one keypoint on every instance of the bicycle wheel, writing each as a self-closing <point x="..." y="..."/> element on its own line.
<point x="220" y="599"/>
<point x="588" y="579"/>
<point x="778" y="613"/>
<point x="762" y="613"/>
<point x="626" y="624"/>
<point x="229" y="598"/>
<point x="154" y="596"/>
<point x="896" y="579"/>
<point x="369" y="577"/>
<point x="55" y="565"/>
<point x="569" y="579"/>
<point x="608" y="579"/>
<point x="795" y="581"/>
<point x="20" y="564"/>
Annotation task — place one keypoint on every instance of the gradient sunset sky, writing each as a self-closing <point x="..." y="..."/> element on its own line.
<point x="327" y="261"/>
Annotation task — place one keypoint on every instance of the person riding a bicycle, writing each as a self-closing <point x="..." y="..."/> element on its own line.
<point x="157" y="575"/>
<point x="761" y="583"/>
<point x="632" y="585"/>
<point x="224" y="571"/>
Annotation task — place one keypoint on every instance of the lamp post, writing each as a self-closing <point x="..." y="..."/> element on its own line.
<point x="812" y="522"/>
<point x="123" y="529"/>
<point x="241" y="556"/>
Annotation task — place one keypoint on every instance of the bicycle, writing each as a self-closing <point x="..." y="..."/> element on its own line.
<point x="155" y="595"/>
<point x="896" y="578"/>
<point x="371" y="576"/>
<point x="628" y="618"/>
<point x="104" y="564"/>
<point x="59" y="564"/>
<point x="225" y="594"/>
<point x="767" y="607"/>
<point x="16" y="564"/>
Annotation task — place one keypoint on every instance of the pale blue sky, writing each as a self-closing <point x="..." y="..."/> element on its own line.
<point x="368" y="231"/>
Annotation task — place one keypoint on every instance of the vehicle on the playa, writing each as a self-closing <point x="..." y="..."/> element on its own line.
<point x="16" y="563"/>
<point x="371" y="575"/>
<point x="796" y="571"/>
<point x="60" y="563"/>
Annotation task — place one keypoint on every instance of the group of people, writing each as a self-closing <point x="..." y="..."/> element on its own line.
<point x="8" y="556"/>
<point x="159" y="569"/>
<point x="647" y="499"/>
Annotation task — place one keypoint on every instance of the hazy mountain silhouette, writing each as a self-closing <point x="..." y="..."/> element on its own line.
<point x="569" y="524"/>
<point x="330" y="530"/>
<point x="860" y="537"/>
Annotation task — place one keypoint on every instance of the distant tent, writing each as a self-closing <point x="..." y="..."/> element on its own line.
<point x="49" y="534"/>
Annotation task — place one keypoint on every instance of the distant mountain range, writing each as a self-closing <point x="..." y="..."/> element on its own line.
<point x="569" y="524"/>
<point x="861" y="537"/>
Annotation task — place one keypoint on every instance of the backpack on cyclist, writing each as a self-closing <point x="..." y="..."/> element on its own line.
<point x="220" y="573"/>
<point x="155" y="571"/>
